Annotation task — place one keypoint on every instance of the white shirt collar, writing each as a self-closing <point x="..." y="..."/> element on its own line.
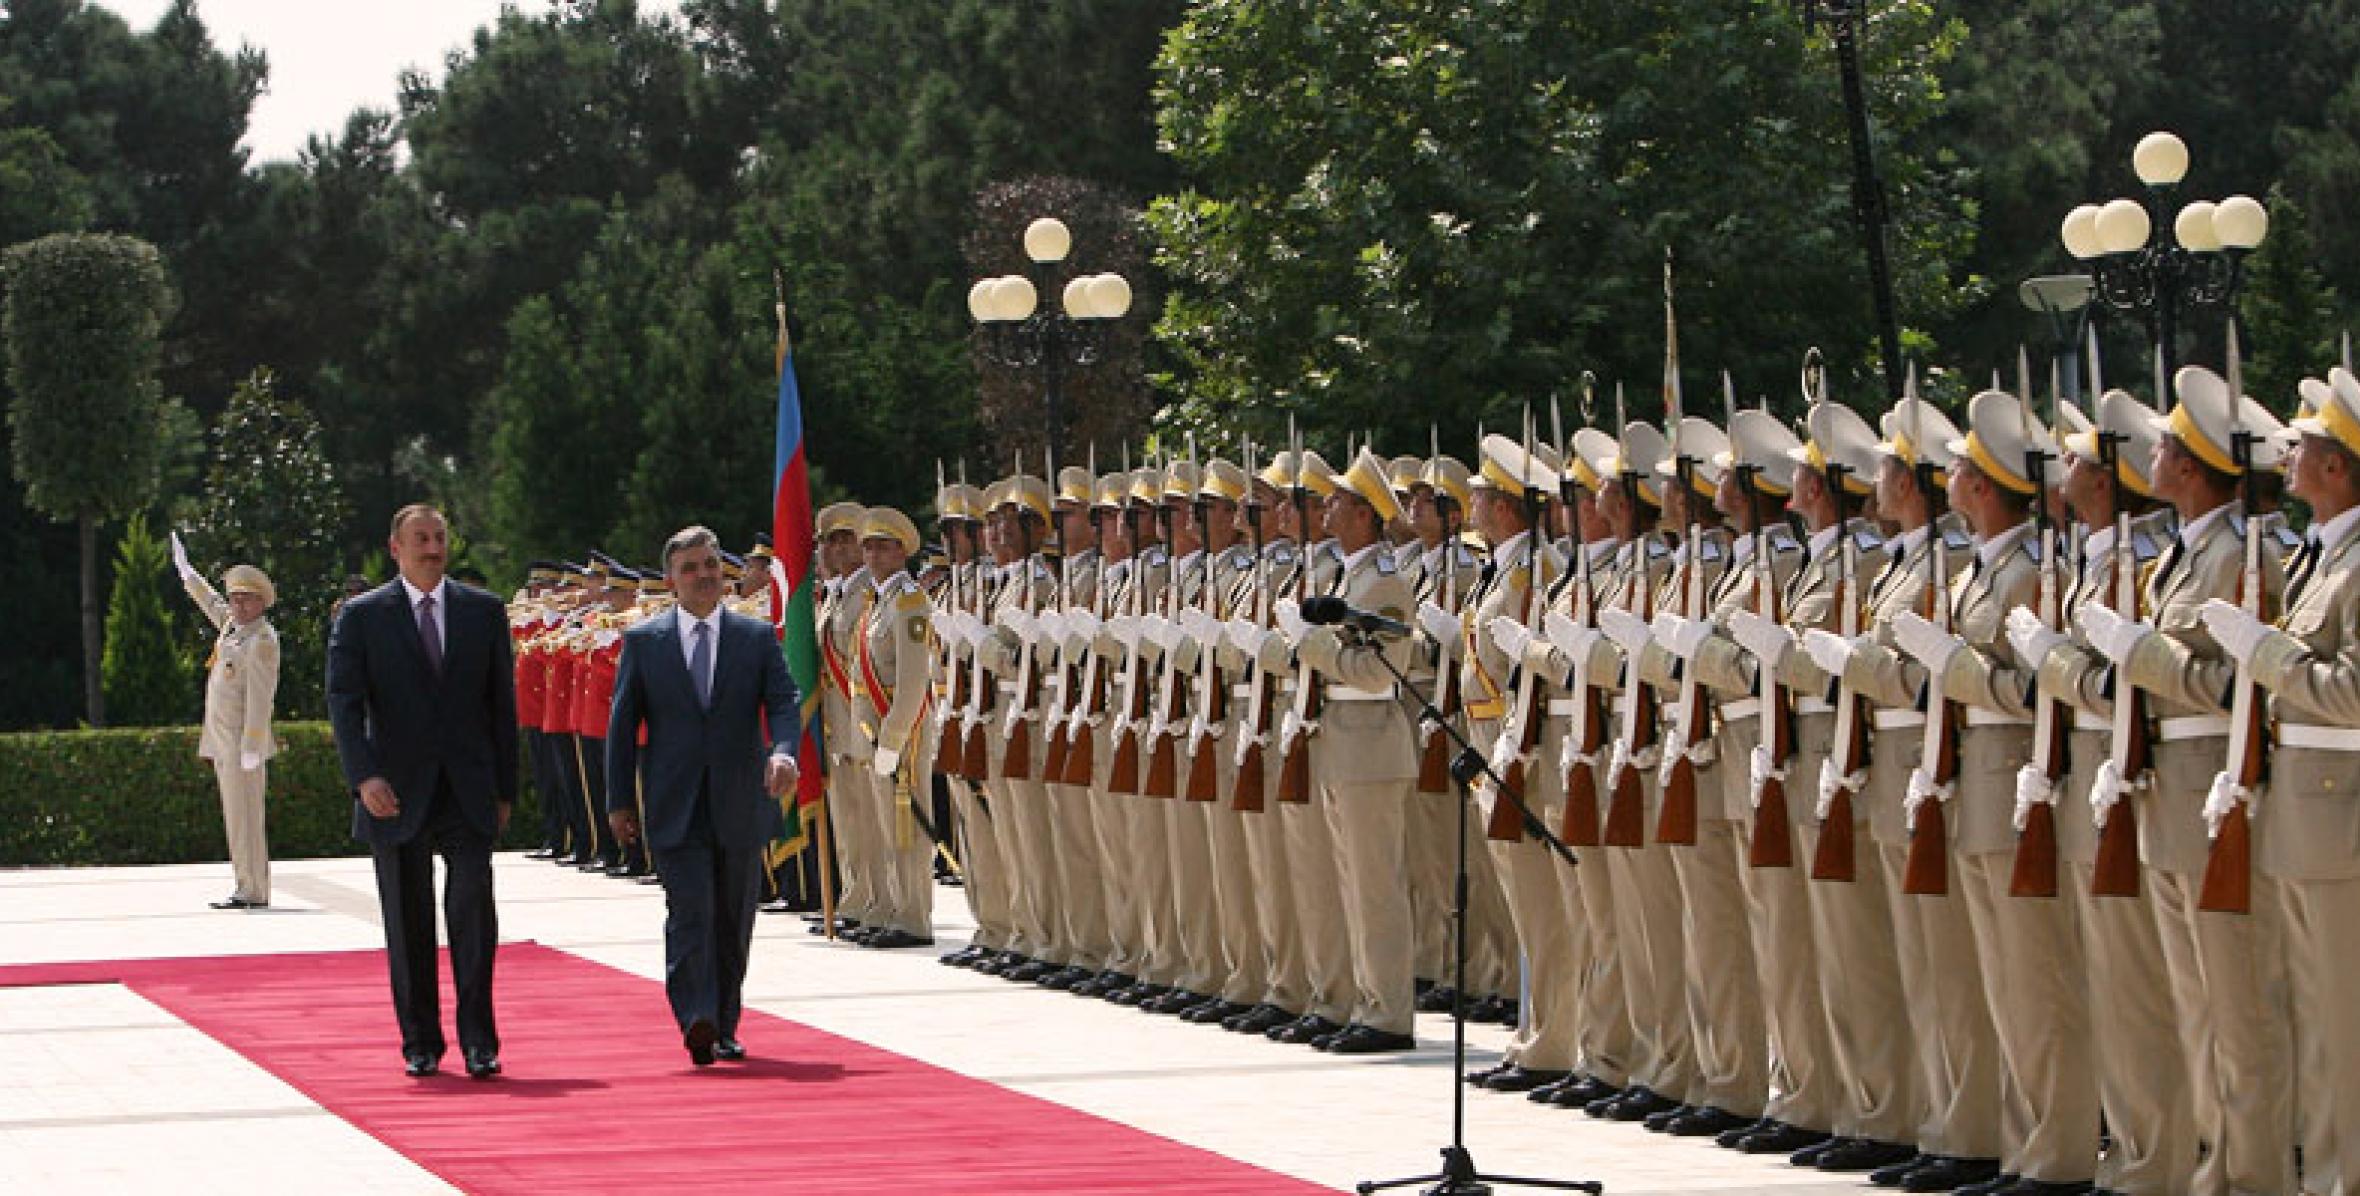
<point x="1990" y="551"/>
<point x="1908" y="541"/>
<point x="2194" y="529"/>
<point x="1823" y="539"/>
<point x="688" y="621"/>
<point x="1600" y="550"/>
<point x="2097" y="544"/>
<point x="1506" y="552"/>
<point x="1365" y="550"/>
<point x="2334" y="531"/>
<point x="1741" y="551"/>
<point x="442" y="594"/>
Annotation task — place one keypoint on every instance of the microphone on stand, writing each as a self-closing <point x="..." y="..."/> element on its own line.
<point x="1329" y="610"/>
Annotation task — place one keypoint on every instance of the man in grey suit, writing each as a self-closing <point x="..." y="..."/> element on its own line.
<point x="422" y="696"/>
<point x="723" y="719"/>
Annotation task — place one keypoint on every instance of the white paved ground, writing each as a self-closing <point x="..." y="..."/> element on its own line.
<point x="102" y="1091"/>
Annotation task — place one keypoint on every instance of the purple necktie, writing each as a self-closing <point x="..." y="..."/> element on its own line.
<point x="430" y="634"/>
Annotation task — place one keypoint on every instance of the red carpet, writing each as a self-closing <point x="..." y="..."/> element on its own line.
<point x="598" y="1095"/>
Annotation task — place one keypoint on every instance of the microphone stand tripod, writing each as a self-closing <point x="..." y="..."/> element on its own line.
<point x="1458" y="1176"/>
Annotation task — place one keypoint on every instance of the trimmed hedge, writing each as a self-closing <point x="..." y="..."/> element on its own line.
<point x="139" y="795"/>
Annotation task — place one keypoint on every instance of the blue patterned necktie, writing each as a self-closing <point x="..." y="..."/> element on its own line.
<point x="430" y="634"/>
<point x="700" y="665"/>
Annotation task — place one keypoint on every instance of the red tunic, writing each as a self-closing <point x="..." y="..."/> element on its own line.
<point x="558" y="719"/>
<point x="532" y="680"/>
<point x="594" y="689"/>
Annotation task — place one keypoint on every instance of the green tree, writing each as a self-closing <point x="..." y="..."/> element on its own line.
<point x="2287" y="309"/>
<point x="81" y="326"/>
<point x="272" y="500"/>
<point x="151" y="675"/>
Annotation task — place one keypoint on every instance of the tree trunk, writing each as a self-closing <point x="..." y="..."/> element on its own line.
<point x="93" y="685"/>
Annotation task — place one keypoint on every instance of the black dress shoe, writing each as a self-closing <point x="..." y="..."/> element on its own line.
<point x="2005" y="1181"/>
<point x="964" y="957"/>
<point x="700" y="1039"/>
<point x="482" y="1065"/>
<point x="894" y="940"/>
<point x="1583" y="1091"/>
<point x="651" y="878"/>
<point x="843" y="926"/>
<point x="541" y="853"/>
<point x="1949" y="1175"/>
<point x="1891" y="1174"/>
<point x="1368" y="1040"/>
<point x="1261" y="1019"/>
<point x="2046" y="1187"/>
<point x="1784" y="1139"/>
<point x="1437" y="999"/>
<point x="1137" y="995"/>
<point x="1635" y="1104"/>
<point x="1102" y="984"/>
<point x="1481" y="1077"/>
<point x="1548" y="1093"/>
<point x="1214" y="1013"/>
<point x="1303" y="1031"/>
<point x="1523" y="1079"/>
<point x="1728" y="1139"/>
<point x="1662" y="1119"/>
<point x="1861" y="1154"/>
<point x="239" y="903"/>
<point x="1177" y="1001"/>
<point x="729" y="1050"/>
<point x="419" y="1064"/>
<point x="1809" y="1156"/>
<point x="1063" y="979"/>
<point x="1489" y="1010"/>
<point x="1030" y="973"/>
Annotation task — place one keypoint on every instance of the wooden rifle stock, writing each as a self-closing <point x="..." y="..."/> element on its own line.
<point x="2116" y="872"/>
<point x="1926" y="872"/>
<point x="1773" y="843"/>
<point x="1676" y="823"/>
<point x="1836" y="858"/>
<point x="1626" y="806"/>
<point x="1163" y="768"/>
<point x="2228" y="868"/>
<point x="1581" y="827"/>
<point x="1053" y="741"/>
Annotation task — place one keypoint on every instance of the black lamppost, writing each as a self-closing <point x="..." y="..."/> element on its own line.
<point x="1843" y="19"/>
<point x="2141" y="272"/>
<point x="1016" y="331"/>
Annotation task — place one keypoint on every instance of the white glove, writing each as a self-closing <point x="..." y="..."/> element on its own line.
<point x="1199" y="626"/>
<point x="2106" y="790"/>
<point x="1161" y="632"/>
<point x="1511" y="636"/>
<point x="1832" y="782"/>
<point x="1504" y="752"/>
<point x="1768" y="641"/>
<point x="2031" y="638"/>
<point x="2238" y="632"/>
<point x="2033" y="788"/>
<point x="1571" y="638"/>
<point x="1439" y="623"/>
<point x="1272" y="651"/>
<point x="2110" y="633"/>
<point x="1020" y="622"/>
<point x="1831" y="652"/>
<point x="1624" y="628"/>
<point x="1290" y="620"/>
<point x="1054" y="627"/>
<point x="1681" y="635"/>
<point x="250" y="760"/>
<point x="885" y="762"/>
<point x="1758" y="770"/>
<point x="1125" y="630"/>
<point x="1242" y="634"/>
<point x="180" y="559"/>
<point x="1930" y="644"/>
<point x="1082" y="628"/>
<point x="2220" y="799"/>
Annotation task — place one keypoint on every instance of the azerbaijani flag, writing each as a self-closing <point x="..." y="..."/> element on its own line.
<point x="794" y="540"/>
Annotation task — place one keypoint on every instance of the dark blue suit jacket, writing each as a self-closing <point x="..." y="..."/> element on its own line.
<point x="723" y="751"/>
<point x="395" y="719"/>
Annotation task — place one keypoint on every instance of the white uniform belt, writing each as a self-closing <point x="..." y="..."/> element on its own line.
<point x="1243" y="693"/>
<point x="1812" y="706"/>
<point x="1741" y="708"/>
<point x="1894" y="720"/>
<point x="1007" y="689"/>
<point x="2083" y="720"/>
<point x="2195" y="726"/>
<point x="1346" y="693"/>
<point x="1979" y="717"/>
<point x="1564" y="707"/>
<point x="2314" y="735"/>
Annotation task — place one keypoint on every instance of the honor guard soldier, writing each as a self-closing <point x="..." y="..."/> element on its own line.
<point x="855" y="812"/>
<point x="2141" y="1064"/>
<point x="2227" y="972"/>
<point x="1081" y="880"/>
<point x="2029" y="960"/>
<point x="241" y="683"/>
<point x="1091" y="732"/>
<point x="895" y="641"/>
<point x="1018" y="511"/>
<point x="1958" y="1135"/>
<point x="524" y="622"/>
<point x="2309" y="847"/>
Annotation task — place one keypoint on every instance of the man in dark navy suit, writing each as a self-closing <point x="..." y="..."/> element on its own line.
<point x="723" y="721"/>
<point x="421" y="693"/>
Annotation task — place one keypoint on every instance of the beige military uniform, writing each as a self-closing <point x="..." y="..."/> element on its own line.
<point x="241" y="684"/>
<point x="1081" y="874"/>
<point x="1240" y="968"/>
<point x="854" y="810"/>
<point x="1365" y="765"/>
<point x="2308" y="833"/>
<point x="1111" y="814"/>
<point x="2030" y="960"/>
<point x="2228" y="975"/>
<point x="898" y="634"/>
<point x="1960" y="1070"/>
<point x="2141" y="1064"/>
<point x="1020" y="805"/>
<point x="988" y="883"/>
<point x="1777" y="909"/>
<point x="1313" y="882"/>
<point x="1286" y="975"/>
<point x="1446" y="583"/>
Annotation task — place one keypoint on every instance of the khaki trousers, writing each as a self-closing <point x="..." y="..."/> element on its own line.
<point x="2141" y="1065"/>
<point x="1958" y="1051"/>
<point x="908" y="859"/>
<point x="1111" y="824"/>
<point x="1245" y="955"/>
<point x="1188" y="828"/>
<point x="1647" y="926"/>
<point x="1548" y="1025"/>
<point x="2322" y="933"/>
<point x="1081" y="883"/>
<point x="1433" y="832"/>
<point x="2231" y="991"/>
<point x="1276" y="921"/>
<point x="1778" y="914"/>
<point x="2033" y="979"/>
<point x="1592" y="1002"/>
<point x="242" y="824"/>
<point x="982" y="866"/>
<point x="1723" y="991"/>
<point x="1369" y="821"/>
<point x="1314" y="886"/>
<point x="860" y="838"/>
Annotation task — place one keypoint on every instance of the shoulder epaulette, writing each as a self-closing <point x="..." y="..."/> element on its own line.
<point x="2288" y="538"/>
<point x="911" y="601"/>
<point x="1657" y="549"/>
<point x="1866" y="539"/>
<point x="2030" y="546"/>
<point x="1957" y="538"/>
<point x="1782" y="539"/>
<point x="1386" y="566"/>
<point x="2144" y="547"/>
<point x="1282" y="555"/>
<point x="1709" y="550"/>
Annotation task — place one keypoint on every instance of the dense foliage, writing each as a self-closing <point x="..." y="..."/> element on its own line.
<point x="541" y="287"/>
